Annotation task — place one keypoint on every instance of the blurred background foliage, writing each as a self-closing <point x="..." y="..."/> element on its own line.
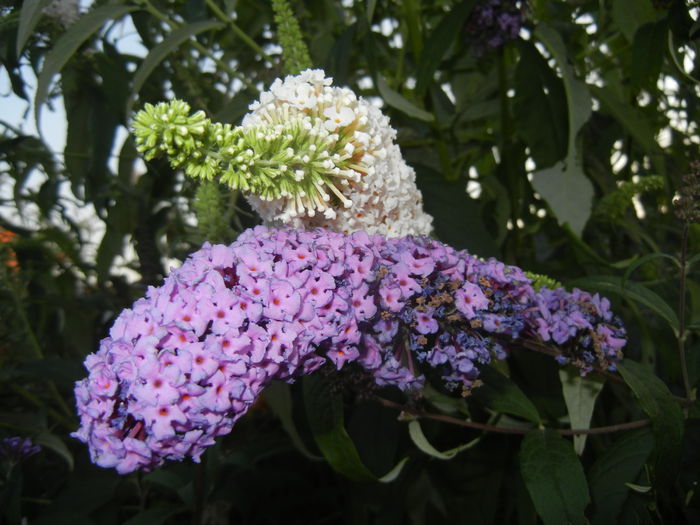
<point x="560" y="150"/>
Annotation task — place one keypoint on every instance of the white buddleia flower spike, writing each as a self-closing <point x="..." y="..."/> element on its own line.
<point x="368" y="185"/>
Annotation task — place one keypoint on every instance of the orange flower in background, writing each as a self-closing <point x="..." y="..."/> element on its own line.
<point x="7" y="254"/>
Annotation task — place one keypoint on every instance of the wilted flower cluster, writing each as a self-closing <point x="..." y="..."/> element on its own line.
<point x="189" y="359"/>
<point x="308" y="155"/>
<point x="492" y="23"/>
<point x="687" y="205"/>
<point x="65" y="12"/>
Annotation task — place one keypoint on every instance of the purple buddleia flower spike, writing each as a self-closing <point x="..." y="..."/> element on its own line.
<point x="185" y="362"/>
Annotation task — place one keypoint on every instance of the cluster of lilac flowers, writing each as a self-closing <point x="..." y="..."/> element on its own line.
<point x="492" y="23"/>
<point x="14" y="449"/>
<point x="189" y="359"/>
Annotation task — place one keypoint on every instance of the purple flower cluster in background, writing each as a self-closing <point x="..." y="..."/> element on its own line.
<point x="189" y="359"/>
<point x="492" y="23"/>
<point x="14" y="449"/>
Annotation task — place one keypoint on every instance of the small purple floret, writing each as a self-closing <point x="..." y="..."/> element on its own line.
<point x="185" y="362"/>
<point x="17" y="448"/>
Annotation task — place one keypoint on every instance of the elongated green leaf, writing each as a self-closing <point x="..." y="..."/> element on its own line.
<point x="645" y="259"/>
<point x="648" y="53"/>
<point x="396" y="100"/>
<point x="69" y="43"/>
<point x="565" y="186"/>
<point x="29" y="17"/>
<point x="554" y="478"/>
<point x="279" y="398"/>
<point x="666" y="419"/>
<point x="568" y="193"/>
<point x="162" y="50"/>
<point x="394" y="472"/>
<point x="619" y="465"/>
<point x="458" y="219"/>
<point x="580" y="395"/>
<point x="166" y="478"/>
<point x="371" y="5"/>
<point x="439" y="42"/>
<point x="630" y="15"/>
<point x="324" y="409"/>
<point x="540" y="110"/>
<point x="636" y="292"/>
<point x="634" y="122"/>
<point x="53" y="442"/>
<point x="502" y="395"/>
<point x="578" y="99"/>
<point x="419" y="439"/>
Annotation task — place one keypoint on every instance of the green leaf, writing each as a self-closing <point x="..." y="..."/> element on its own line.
<point x="394" y="472"/>
<point x="580" y="395"/>
<point x="636" y="124"/>
<point x="279" y="398"/>
<point x="539" y="110"/>
<point x="439" y="42"/>
<point x="371" y="5"/>
<point x="500" y="394"/>
<point x="666" y="419"/>
<point x="69" y="43"/>
<point x="554" y="478"/>
<point x="458" y="220"/>
<point x="565" y="186"/>
<point x="648" y="53"/>
<point x="568" y="193"/>
<point x="166" y="478"/>
<point x="630" y="15"/>
<point x="156" y="55"/>
<point x="324" y="409"/>
<point x="645" y="259"/>
<point x="619" y="465"/>
<point x="641" y="489"/>
<point x="53" y="442"/>
<point x="419" y="439"/>
<point x="29" y="17"/>
<point x="577" y="97"/>
<point x="636" y="292"/>
<point x="396" y="100"/>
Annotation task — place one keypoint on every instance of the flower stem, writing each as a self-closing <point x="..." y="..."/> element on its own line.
<point x="239" y="32"/>
<point x="501" y="430"/>
<point x="681" y="312"/>
<point x="199" y="47"/>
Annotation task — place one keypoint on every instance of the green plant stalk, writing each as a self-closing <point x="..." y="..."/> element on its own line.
<point x="237" y="30"/>
<point x="681" y="313"/>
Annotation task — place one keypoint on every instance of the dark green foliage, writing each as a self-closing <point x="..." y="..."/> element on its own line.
<point x="561" y="152"/>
